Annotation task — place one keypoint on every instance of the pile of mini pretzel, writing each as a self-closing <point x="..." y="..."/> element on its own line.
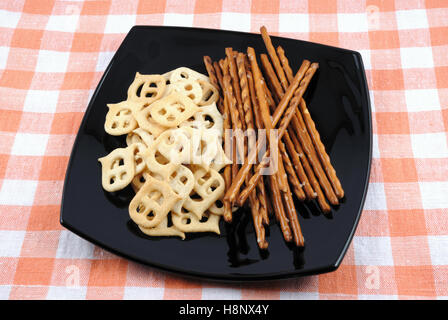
<point x="252" y="99"/>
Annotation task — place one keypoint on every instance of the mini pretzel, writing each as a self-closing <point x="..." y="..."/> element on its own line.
<point x="152" y="203"/>
<point x="172" y="110"/>
<point x="189" y="222"/>
<point x="181" y="181"/>
<point x="209" y="187"/>
<point x="162" y="229"/>
<point x="146" y="88"/>
<point x="185" y="73"/>
<point x="208" y="118"/>
<point x="209" y="93"/>
<point x="143" y="116"/>
<point x="139" y="136"/>
<point x="138" y="150"/>
<point x="157" y="163"/>
<point x="139" y="180"/>
<point x="273" y="56"/>
<point x="175" y="144"/>
<point x="320" y="148"/>
<point x="189" y="88"/>
<point x="119" y="119"/>
<point x="118" y="169"/>
<point x="215" y="209"/>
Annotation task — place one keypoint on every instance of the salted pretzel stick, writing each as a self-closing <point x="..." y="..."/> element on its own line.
<point x="258" y="221"/>
<point x="233" y="191"/>
<point x="301" y="79"/>
<point x="265" y="113"/>
<point x="256" y="209"/>
<point x="275" y="83"/>
<point x="265" y="160"/>
<point x="211" y="72"/>
<point x="244" y="89"/>
<point x="245" y="101"/>
<point x="236" y="85"/>
<point x="321" y="200"/>
<point x="320" y="148"/>
<point x="214" y="81"/>
<point x="227" y="142"/>
<point x="279" y="209"/>
<point x="293" y="219"/>
<point x="278" y="181"/>
<point x="285" y="63"/>
<point x="273" y="56"/>
<point x="307" y="76"/>
<point x="271" y="76"/>
<point x="290" y="207"/>
<point x="307" y="188"/>
<point x="259" y="125"/>
<point x="234" y="114"/>
<point x="224" y="64"/>
<point x="306" y="175"/>
<point x="308" y="147"/>
<point x="293" y="180"/>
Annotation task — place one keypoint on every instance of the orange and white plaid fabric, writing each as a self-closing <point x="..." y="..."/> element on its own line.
<point x="52" y="55"/>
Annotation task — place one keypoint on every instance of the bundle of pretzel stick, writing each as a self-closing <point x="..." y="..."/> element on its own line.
<point x="271" y="97"/>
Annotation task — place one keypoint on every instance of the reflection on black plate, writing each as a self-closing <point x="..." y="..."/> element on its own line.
<point x="339" y="103"/>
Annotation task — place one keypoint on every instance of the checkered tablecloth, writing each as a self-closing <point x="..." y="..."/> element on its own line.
<point x="52" y="55"/>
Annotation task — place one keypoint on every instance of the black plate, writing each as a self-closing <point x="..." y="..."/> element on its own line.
<point x="339" y="103"/>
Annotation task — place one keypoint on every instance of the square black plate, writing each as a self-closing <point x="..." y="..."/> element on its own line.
<point x="339" y="103"/>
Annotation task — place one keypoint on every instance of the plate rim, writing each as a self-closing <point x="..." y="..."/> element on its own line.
<point x="234" y="277"/>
